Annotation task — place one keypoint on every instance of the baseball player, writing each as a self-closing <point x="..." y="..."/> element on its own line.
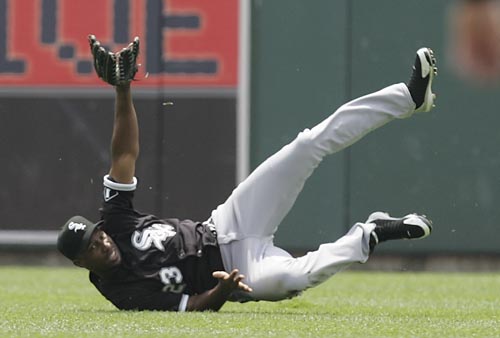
<point x="141" y="262"/>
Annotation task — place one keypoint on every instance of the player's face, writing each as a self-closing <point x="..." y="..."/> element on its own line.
<point x="102" y="253"/>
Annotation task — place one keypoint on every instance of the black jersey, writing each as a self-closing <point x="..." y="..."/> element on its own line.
<point x="164" y="261"/>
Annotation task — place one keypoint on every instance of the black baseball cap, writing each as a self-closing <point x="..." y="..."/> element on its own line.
<point x="74" y="236"/>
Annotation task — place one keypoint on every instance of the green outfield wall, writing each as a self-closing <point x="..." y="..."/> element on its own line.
<point x="309" y="57"/>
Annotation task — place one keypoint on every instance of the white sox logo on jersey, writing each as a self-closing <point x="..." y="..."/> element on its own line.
<point x="153" y="235"/>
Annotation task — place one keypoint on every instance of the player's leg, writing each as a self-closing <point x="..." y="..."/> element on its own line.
<point x="258" y="205"/>
<point x="274" y="274"/>
<point x="357" y="244"/>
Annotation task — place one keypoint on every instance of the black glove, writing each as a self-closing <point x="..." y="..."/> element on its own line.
<point x="115" y="68"/>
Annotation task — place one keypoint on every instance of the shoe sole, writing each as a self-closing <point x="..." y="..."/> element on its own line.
<point x="428" y="67"/>
<point x="422" y="221"/>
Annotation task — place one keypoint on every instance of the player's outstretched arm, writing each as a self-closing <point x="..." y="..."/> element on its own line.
<point x="125" y="139"/>
<point x="214" y="299"/>
<point x="118" y="69"/>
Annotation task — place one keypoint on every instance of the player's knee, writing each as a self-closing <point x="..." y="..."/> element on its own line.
<point x="304" y="140"/>
<point x="281" y="285"/>
<point x="294" y="283"/>
<point x="291" y="283"/>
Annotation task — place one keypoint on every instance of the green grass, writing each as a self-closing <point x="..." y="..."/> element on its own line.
<point x="60" y="302"/>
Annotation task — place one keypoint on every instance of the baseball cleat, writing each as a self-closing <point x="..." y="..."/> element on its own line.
<point x="411" y="226"/>
<point x="420" y="83"/>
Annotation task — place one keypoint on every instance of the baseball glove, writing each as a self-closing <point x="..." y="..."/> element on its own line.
<point x="115" y="68"/>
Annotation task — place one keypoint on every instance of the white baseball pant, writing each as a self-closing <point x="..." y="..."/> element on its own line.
<point x="247" y="220"/>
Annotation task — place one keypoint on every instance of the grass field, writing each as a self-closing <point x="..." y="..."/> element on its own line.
<point x="60" y="302"/>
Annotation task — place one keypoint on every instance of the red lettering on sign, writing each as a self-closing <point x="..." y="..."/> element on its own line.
<point x="184" y="43"/>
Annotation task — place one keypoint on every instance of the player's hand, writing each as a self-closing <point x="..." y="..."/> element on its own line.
<point x="231" y="281"/>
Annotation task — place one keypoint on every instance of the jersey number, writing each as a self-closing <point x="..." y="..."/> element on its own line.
<point x="172" y="278"/>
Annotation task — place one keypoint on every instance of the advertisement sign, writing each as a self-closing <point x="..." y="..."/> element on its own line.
<point x="184" y="43"/>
